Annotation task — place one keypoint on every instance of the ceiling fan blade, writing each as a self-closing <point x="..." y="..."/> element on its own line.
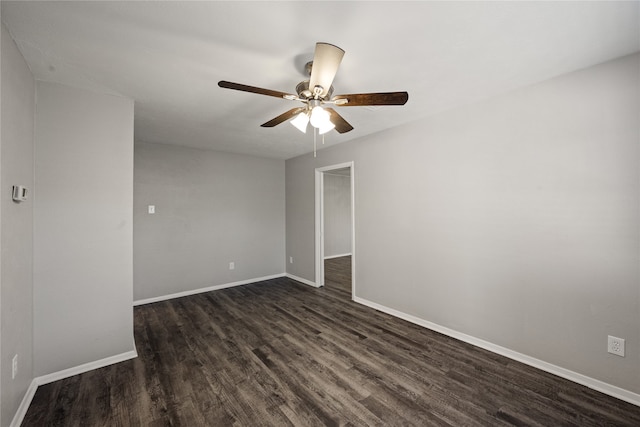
<point x="382" y="98"/>
<point x="342" y="126"/>
<point x="253" y="89"/>
<point x="326" y="61"/>
<point x="283" y="117"/>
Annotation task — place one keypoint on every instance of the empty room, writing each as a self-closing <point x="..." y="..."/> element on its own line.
<point x="311" y="213"/>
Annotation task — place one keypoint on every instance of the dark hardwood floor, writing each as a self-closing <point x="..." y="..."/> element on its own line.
<point x="337" y="272"/>
<point x="279" y="353"/>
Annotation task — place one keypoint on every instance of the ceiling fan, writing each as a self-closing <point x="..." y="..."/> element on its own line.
<point x="316" y="95"/>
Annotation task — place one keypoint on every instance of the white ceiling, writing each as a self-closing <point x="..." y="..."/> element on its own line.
<point x="169" y="56"/>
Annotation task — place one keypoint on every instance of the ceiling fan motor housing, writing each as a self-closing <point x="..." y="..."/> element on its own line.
<point x="303" y="91"/>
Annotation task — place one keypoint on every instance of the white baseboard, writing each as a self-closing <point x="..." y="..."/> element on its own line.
<point x="611" y="390"/>
<point x="24" y="405"/>
<point x="301" y="280"/>
<point x="65" y="373"/>
<point x="337" y="256"/>
<point x="207" y="289"/>
<point x="86" y="367"/>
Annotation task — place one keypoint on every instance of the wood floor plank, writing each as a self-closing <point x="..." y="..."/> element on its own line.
<point x="278" y="353"/>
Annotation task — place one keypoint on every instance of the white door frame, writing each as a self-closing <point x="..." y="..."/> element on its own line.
<point x="319" y="220"/>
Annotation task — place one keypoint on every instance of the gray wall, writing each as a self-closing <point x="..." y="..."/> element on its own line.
<point x="212" y="208"/>
<point x="83" y="218"/>
<point x="16" y="292"/>
<point x="515" y="220"/>
<point x="337" y="214"/>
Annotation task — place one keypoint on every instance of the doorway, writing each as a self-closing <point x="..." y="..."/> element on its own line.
<point x="335" y="223"/>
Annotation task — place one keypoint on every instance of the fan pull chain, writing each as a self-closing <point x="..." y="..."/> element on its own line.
<point x="315" y="132"/>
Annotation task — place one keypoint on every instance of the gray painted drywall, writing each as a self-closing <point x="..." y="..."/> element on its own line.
<point x="16" y="292"/>
<point x="300" y="214"/>
<point x="212" y="208"/>
<point x="515" y="220"/>
<point x="337" y="214"/>
<point x="83" y="219"/>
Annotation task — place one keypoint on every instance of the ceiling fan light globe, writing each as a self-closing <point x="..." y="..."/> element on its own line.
<point x="326" y="128"/>
<point x="300" y="122"/>
<point x="319" y="117"/>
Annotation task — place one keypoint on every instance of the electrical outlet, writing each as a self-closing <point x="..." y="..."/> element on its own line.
<point x="14" y="367"/>
<point x="232" y="265"/>
<point x="615" y="345"/>
<point x="290" y="260"/>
